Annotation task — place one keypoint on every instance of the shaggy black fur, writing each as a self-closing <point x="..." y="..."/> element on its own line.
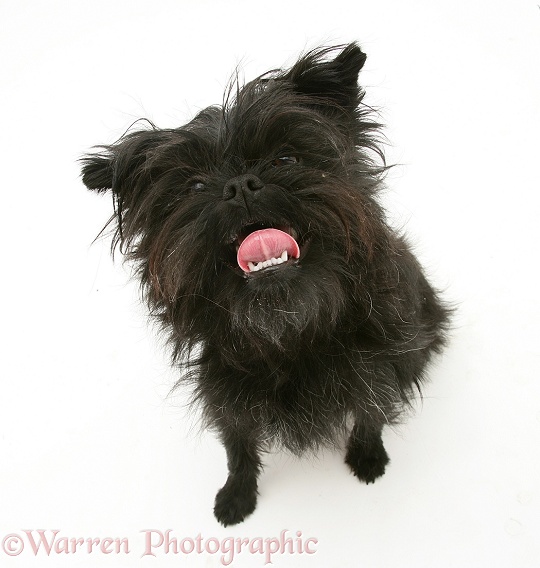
<point x="290" y="354"/>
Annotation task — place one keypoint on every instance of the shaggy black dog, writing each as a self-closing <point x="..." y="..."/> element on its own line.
<point x="261" y="246"/>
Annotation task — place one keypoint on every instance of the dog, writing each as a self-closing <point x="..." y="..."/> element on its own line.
<point x="300" y="317"/>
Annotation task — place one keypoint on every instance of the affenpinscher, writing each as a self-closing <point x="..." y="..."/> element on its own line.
<point x="299" y="315"/>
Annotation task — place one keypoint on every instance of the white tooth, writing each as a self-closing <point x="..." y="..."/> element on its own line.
<point x="256" y="266"/>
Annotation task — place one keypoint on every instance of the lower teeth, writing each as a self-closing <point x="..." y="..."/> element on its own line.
<point x="256" y="266"/>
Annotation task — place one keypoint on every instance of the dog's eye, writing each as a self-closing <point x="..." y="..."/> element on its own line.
<point x="284" y="161"/>
<point x="197" y="186"/>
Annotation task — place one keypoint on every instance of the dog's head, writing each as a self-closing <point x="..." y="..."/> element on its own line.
<point x="256" y="221"/>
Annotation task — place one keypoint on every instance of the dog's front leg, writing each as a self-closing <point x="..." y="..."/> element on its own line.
<point x="238" y="497"/>
<point x="366" y="455"/>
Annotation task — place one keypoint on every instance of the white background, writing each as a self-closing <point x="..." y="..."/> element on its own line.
<point x="91" y="445"/>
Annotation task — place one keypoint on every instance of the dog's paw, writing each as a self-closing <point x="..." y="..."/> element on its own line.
<point x="234" y="504"/>
<point x="367" y="465"/>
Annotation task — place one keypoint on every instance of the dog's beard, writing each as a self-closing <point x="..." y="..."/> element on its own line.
<point x="280" y="311"/>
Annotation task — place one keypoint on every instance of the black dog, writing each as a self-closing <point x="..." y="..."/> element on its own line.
<point x="263" y="250"/>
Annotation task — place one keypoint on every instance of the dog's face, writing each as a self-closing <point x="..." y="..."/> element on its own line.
<point x="255" y="221"/>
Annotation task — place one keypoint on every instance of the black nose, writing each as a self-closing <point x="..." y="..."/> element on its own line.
<point x="241" y="186"/>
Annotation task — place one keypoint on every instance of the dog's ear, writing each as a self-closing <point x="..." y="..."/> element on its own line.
<point x="97" y="172"/>
<point x="335" y="80"/>
<point x="121" y="165"/>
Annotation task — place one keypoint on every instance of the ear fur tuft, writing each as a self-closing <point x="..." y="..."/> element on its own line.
<point x="97" y="172"/>
<point x="335" y="79"/>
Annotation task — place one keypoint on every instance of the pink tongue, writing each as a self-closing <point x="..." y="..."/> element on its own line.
<point x="266" y="244"/>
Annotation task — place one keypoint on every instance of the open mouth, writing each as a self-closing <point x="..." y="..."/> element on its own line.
<point x="260" y="248"/>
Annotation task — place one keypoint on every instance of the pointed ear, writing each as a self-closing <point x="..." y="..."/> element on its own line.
<point x="121" y="165"/>
<point x="335" y="79"/>
<point x="97" y="172"/>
